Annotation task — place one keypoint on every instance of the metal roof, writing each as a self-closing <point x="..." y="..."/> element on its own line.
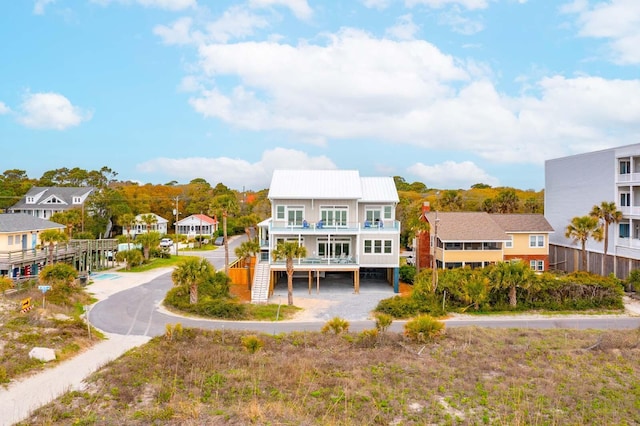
<point x="331" y="184"/>
<point x="379" y="189"/>
<point x="22" y="222"/>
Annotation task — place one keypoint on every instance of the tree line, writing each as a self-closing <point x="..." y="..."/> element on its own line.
<point x="117" y="198"/>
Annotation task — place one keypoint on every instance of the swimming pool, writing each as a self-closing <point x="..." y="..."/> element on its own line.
<point x="104" y="276"/>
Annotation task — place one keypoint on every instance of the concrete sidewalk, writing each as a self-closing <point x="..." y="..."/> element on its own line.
<point x="23" y="396"/>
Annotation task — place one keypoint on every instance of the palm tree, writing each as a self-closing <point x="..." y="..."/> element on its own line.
<point x="52" y="237"/>
<point x="148" y="240"/>
<point x="510" y="275"/>
<point x="289" y="250"/>
<point x="149" y="220"/>
<point x="581" y="229"/>
<point x="224" y="205"/>
<point x="126" y="221"/>
<point x="246" y="250"/>
<point x="191" y="273"/>
<point x="607" y="213"/>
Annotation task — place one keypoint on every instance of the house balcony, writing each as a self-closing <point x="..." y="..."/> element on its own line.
<point x="319" y="261"/>
<point x="629" y="210"/>
<point x="321" y="228"/>
<point x="628" y="178"/>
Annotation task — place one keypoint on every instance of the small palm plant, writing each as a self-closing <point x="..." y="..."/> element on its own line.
<point x="289" y="250"/>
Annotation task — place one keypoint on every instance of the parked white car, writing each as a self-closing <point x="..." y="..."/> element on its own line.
<point x="166" y="242"/>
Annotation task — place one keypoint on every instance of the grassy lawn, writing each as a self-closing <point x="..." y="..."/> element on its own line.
<point x="155" y="263"/>
<point x="470" y="376"/>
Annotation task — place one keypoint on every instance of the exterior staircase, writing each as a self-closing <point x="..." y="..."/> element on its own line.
<point x="260" y="285"/>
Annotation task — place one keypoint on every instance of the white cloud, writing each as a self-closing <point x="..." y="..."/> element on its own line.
<point x="437" y="4"/>
<point x="404" y="29"/>
<point x="235" y="23"/>
<point x="178" y="33"/>
<point x="4" y="109"/>
<point x="376" y="4"/>
<point x="235" y="172"/>
<point x="159" y="4"/>
<point x="50" y="111"/>
<point x="300" y="8"/>
<point x="38" y="7"/>
<point x="460" y="23"/>
<point x="617" y="21"/>
<point x="451" y="175"/>
<point x="356" y="86"/>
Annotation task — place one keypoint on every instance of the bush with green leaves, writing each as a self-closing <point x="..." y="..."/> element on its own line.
<point x="383" y="321"/>
<point x="61" y="277"/>
<point x="407" y="273"/>
<point x="131" y="257"/>
<point x="336" y="325"/>
<point x="633" y="280"/>
<point x="423" y="328"/>
<point x="252" y="343"/>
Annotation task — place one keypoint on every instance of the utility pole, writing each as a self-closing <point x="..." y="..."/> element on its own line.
<point x="177" y="213"/>
<point x="434" y="263"/>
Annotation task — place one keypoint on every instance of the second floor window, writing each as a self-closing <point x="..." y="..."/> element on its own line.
<point x="509" y="244"/>
<point x="624" y="230"/>
<point x="625" y="167"/>
<point x="536" y="240"/>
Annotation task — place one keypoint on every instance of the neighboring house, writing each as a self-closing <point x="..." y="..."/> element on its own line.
<point x="528" y="238"/>
<point x="20" y="243"/>
<point x="478" y="239"/>
<point x="140" y="227"/>
<point x="42" y="202"/>
<point x="197" y="224"/>
<point x="346" y="223"/>
<point x="573" y="185"/>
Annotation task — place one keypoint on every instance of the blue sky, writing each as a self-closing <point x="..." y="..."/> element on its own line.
<point x="446" y="92"/>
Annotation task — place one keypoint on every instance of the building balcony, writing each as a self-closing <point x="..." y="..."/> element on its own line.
<point x="628" y="178"/>
<point x="630" y="210"/>
<point x="320" y="227"/>
<point x="318" y="261"/>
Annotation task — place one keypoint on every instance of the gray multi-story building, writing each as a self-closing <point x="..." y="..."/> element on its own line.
<point x="573" y="185"/>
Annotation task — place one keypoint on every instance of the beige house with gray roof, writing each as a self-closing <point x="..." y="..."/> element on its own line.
<point x="478" y="239"/>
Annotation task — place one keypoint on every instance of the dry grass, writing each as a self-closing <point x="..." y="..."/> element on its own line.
<point x="471" y="376"/>
<point x="55" y="327"/>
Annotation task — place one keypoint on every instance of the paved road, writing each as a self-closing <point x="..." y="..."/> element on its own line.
<point x="138" y="312"/>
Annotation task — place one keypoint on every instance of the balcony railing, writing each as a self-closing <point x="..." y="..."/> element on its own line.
<point x="321" y="227"/>
<point x="630" y="210"/>
<point x="311" y="261"/>
<point x="628" y="177"/>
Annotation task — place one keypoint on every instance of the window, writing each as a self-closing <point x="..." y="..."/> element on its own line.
<point x="387" y="212"/>
<point x="280" y="212"/>
<point x="31" y="200"/>
<point x="509" y="244"/>
<point x="337" y="248"/>
<point x="76" y="200"/>
<point x="378" y="246"/>
<point x="295" y="215"/>
<point x="625" y="199"/>
<point x="334" y="215"/>
<point x="536" y="240"/>
<point x="54" y="200"/>
<point x="537" y="265"/>
<point x="10" y="242"/>
<point x="372" y="214"/>
<point x="623" y="230"/>
<point x="625" y="167"/>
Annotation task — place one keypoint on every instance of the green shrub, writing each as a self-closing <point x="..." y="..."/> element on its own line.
<point x="252" y="344"/>
<point x="337" y="325"/>
<point x="383" y="321"/>
<point x="398" y="307"/>
<point x="423" y="328"/>
<point x="633" y="281"/>
<point x="368" y="338"/>
<point x="407" y="273"/>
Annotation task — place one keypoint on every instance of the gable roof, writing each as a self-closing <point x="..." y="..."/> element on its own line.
<point x="331" y="185"/>
<point x="522" y="222"/>
<point x="466" y="226"/>
<point x="42" y="194"/>
<point x="159" y="219"/>
<point x="20" y="222"/>
<point x="379" y="189"/>
<point x="315" y="184"/>
<point x="198" y="218"/>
